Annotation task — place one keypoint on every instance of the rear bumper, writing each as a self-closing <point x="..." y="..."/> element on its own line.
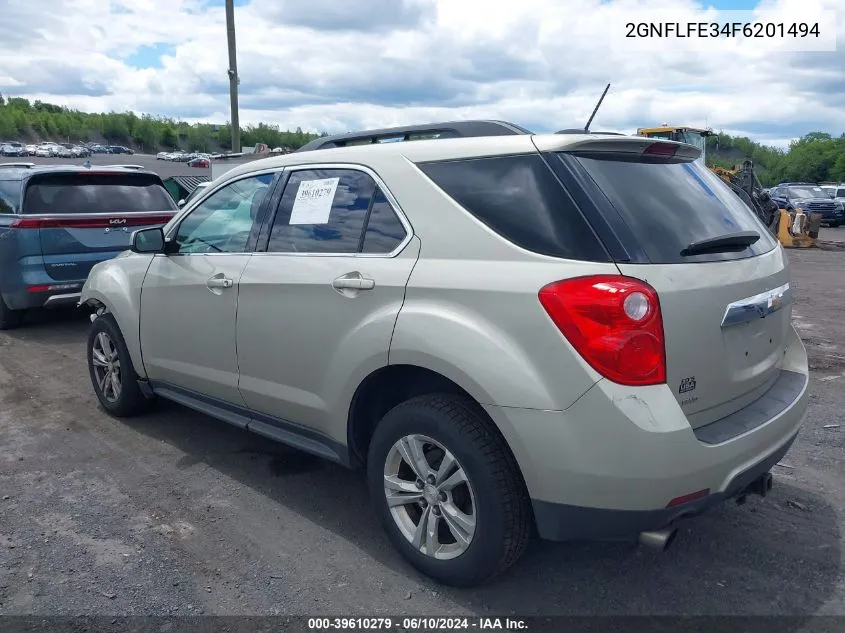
<point x="619" y="460"/>
<point x="66" y="293"/>
<point x="561" y="522"/>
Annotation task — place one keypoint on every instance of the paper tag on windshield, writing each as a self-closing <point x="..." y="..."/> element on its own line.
<point x="313" y="202"/>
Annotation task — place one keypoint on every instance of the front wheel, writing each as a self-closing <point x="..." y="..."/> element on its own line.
<point x="112" y="374"/>
<point x="447" y="490"/>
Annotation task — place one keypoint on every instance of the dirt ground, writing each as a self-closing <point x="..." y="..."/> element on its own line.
<point x="175" y="513"/>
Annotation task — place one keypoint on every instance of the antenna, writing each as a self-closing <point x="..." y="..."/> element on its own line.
<point x="596" y="109"/>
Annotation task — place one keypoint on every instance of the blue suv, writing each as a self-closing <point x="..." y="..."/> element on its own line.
<point x="810" y="198"/>
<point x="56" y="222"/>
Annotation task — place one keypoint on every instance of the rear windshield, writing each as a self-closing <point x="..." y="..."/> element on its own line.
<point x="96" y="193"/>
<point x="10" y="196"/>
<point x="667" y="207"/>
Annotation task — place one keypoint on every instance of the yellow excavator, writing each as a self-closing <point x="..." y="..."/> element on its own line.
<point x="796" y="229"/>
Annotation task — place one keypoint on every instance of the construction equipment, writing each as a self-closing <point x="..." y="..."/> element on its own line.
<point x="794" y="229"/>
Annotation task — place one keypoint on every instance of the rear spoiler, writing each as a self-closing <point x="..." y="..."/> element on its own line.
<point x="622" y="146"/>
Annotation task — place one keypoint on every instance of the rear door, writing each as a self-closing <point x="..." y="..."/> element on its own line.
<point x="317" y="309"/>
<point x="85" y="217"/>
<point x="726" y="309"/>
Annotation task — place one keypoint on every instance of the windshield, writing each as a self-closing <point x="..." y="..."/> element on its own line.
<point x="692" y="138"/>
<point x="807" y="192"/>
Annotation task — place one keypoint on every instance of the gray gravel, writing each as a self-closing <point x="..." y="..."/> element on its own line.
<point x="175" y="513"/>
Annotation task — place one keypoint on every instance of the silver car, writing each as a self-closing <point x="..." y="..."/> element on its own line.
<point x="587" y="335"/>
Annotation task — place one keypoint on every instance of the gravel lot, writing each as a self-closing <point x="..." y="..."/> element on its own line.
<point x="175" y="513"/>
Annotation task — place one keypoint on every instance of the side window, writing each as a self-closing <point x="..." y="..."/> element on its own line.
<point x="519" y="198"/>
<point x="384" y="230"/>
<point x="322" y="211"/>
<point x="223" y="222"/>
<point x="10" y="193"/>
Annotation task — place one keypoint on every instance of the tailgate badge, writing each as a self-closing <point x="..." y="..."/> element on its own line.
<point x="114" y="221"/>
<point x="687" y="384"/>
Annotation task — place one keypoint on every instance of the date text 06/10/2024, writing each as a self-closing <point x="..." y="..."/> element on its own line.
<point x="727" y="29"/>
<point x="417" y="624"/>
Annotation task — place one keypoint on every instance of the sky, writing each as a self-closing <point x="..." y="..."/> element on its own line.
<point x="340" y="65"/>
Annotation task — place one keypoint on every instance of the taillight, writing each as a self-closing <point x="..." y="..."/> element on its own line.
<point x="614" y="322"/>
<point x="661" y="150"/>
<point x="70" y="221"/>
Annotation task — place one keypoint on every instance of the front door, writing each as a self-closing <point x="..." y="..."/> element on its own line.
<point x="190" y="296"/>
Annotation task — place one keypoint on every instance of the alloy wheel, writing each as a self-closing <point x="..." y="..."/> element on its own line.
<point x="430" y="497"/>
<point x="106" y="363"/>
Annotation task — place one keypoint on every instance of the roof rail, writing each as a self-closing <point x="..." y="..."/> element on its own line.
<point x="451" y="129"/>
<point x="18" y="165"/>
<point x="126" y="166"/>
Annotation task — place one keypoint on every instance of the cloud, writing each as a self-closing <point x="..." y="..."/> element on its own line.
<point x="335" y="66"/>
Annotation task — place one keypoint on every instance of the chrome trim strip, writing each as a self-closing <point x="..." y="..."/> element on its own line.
<point x="757" y="307"/>
<point x="403" y="219"/>
<point x="55" y="300"/>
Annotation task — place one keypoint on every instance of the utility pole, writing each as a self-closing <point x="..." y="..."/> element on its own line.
<point x="234" y="80"/>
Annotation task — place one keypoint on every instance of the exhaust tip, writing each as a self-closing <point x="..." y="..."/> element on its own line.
<point x="658" y="539"/>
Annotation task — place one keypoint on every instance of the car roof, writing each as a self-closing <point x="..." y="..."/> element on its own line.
<point x="424" y="150"/>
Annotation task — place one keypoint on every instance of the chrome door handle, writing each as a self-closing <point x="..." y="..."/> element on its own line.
<point x="219" y="282"/>
<point x="353" y="281"/>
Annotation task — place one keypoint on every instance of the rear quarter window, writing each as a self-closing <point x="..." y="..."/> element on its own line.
<point x="96" y="193"/>
<point x="668" y="206"/>
<point x="10" y="196"/>
<point x="519" y="198"/>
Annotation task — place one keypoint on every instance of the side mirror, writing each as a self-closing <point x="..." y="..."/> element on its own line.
<point x="148" y="240"/>
<point x="181" y="203"/>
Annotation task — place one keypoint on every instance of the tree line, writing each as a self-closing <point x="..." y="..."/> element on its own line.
<point x="21" y="119"/>
<point x="815" y="157"/>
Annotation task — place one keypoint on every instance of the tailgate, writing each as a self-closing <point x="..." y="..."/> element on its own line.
<point x="85" y="217"/>
<point x="70" y="246"/>
<point x="721" y="279"/>
<point x="724" y="342"/>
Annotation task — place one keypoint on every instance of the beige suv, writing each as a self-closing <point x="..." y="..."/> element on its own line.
<point x="584" y="335"/>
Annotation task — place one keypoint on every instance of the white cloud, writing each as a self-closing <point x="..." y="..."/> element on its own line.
<point x="540" y="63"/>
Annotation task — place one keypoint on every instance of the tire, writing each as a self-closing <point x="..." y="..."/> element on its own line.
<point x="493" y="499"/>
<point x="9" y="319"/>
<point x="106" y="343"/>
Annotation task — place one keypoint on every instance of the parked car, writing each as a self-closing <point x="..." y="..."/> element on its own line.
<point x="31" y="149"/>
<point x="80" y="152"/>
<point x="499" y="329"/>
<point x="57" y="222"/>
<point x="65" y="152"/>
<point x="809" y="197"/>
<point x="199" y="161"/>
<point x="99" y="149"/>
<point x="13" y="148"/>
<point x="837" y="193"/>
<point x="161" y="156"/>
<point x="120" y="149"/>
<point x="43" y="151"/>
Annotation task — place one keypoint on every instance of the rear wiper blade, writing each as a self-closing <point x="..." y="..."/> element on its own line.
<point x="722" y="243"/>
